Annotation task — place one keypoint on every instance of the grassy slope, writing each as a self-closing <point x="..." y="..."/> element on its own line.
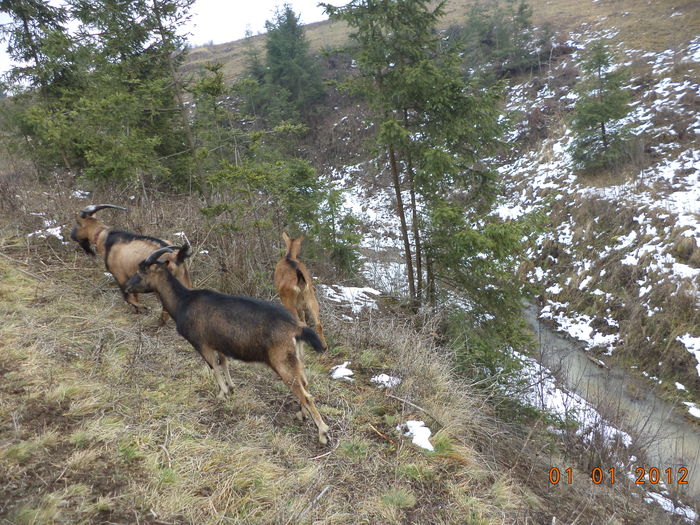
<point x="642" y="25"/>
<point x="105" y="417"/>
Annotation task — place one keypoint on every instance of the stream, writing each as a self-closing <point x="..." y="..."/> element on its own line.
<point x="666" y="437"/>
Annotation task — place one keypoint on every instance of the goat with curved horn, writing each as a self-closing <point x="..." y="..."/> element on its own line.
<point x="221" y="326"/>
<point x="122" y="251"/>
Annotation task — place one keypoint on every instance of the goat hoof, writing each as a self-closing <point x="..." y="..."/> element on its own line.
<point x="323" y="438"/>
<point x="300" y="415"/>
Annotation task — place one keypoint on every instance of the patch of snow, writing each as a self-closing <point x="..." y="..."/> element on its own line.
<point x="385" y="381"/>
<point x="418" y="432"/>
<point x="342" y="371"/>
<point x="555" y="289"/>
<point x="542" y="391"/>
<point x="692" y="344"/>
<point x="356" y="298"/>
<point x="50" y="229"/>
<point x="693" y="409"/>
<point x="671" y="507"/>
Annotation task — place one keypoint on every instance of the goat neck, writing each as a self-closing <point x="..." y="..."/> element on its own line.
<point x="293" y="247"/>
<point x="169" y="289"/>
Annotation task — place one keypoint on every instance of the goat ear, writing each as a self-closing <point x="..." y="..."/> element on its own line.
<point x="183" y="253"/>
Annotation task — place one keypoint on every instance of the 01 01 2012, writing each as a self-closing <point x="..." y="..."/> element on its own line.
<point x="642" y="475"/>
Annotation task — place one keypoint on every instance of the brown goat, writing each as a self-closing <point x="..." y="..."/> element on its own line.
<point x="295" y="287"/>
<point x="123" y="251"/>
<point x="221" y="326"/>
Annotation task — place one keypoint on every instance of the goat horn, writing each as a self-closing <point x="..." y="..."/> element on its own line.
<point x="89" y="210"/>
<point x="154" y="256"/>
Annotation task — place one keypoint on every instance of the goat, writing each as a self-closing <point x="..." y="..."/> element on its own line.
<point x="221" y="326"/>
<point x="295" y="287"/>
<point x="122" y="251"/>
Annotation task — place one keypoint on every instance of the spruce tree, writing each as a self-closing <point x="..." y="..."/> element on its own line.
<point x="290" y="66"/>
<point x="600" y="136"/>
<point x="285" y="84"/>
<point x="436" y="130"/>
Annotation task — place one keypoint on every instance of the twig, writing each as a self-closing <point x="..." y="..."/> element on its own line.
<point x="170" y="460"/>
<point x="413" y="405"/>
<point x="312" y="504"/>
<point x="61" y="474"/>
<point x="382" y="435"/>
<point x="20" y="269"/>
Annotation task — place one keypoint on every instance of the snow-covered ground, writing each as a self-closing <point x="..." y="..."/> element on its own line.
<point x="663" y="198"/>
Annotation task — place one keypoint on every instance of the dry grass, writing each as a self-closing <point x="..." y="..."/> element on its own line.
<point x="107" y="417"/>
<point x="632" y="18"/>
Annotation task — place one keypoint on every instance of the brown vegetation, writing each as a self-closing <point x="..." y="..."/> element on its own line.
<point x="105" y="417"/>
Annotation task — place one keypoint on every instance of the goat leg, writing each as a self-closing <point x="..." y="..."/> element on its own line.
<point x="212" y="358"/>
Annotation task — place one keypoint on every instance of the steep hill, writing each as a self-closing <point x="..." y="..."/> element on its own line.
<point x="640" y="24"/>
<point x="106" y="417"/>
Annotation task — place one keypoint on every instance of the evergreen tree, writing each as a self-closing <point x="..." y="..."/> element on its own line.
<point x="31" y="37"/>
<point x="260" y="185"/>
<point x="290" y="67"/>
<point x="436" y="130"/>
<point x="109" y="101"/>
<point x="601" y="138"/>
<point x="500" y="41"/>
<point x="286" y="85"/>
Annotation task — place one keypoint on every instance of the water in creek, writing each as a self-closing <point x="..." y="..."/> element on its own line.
<point x="660" y="430"/>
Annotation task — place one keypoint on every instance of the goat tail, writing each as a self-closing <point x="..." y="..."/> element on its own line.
<point x="309" y="336"/>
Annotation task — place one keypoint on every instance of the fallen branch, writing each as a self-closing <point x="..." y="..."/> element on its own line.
<point x="20" y="269"/>
<point x="413" y="405"/>
<point x="313" y="503"/>
<point x="382" y="435"/>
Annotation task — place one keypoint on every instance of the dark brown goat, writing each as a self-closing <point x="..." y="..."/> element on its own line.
<point x="295" y="287"/>
<point x="123" y="251"/>
<point x="221" y="326"/>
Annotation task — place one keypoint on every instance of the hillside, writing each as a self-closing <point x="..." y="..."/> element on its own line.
<point x="108" y="417"/>
<point x="641" y="25"/>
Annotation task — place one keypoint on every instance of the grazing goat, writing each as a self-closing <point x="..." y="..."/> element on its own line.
<point x="221" y="326"/>
<point x="295" y="287"/>
<point x="123" y="251"/>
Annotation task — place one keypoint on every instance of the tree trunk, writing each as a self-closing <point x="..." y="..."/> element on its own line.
<point x="431" y="282"/>
<point x="414" y="222"/>
<point x="416" y="234"/>
<point x="404" y="228"/>
<point x="605" y="136"/>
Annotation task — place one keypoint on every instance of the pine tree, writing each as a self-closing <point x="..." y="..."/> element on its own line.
<point x="436" y="130"/>
<point x="289" y="65"/>
<point x="601" y="136"/>
<point x="285" y="84"/>
<point x="109" y="100"/>
<point x="500" y="41"/>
